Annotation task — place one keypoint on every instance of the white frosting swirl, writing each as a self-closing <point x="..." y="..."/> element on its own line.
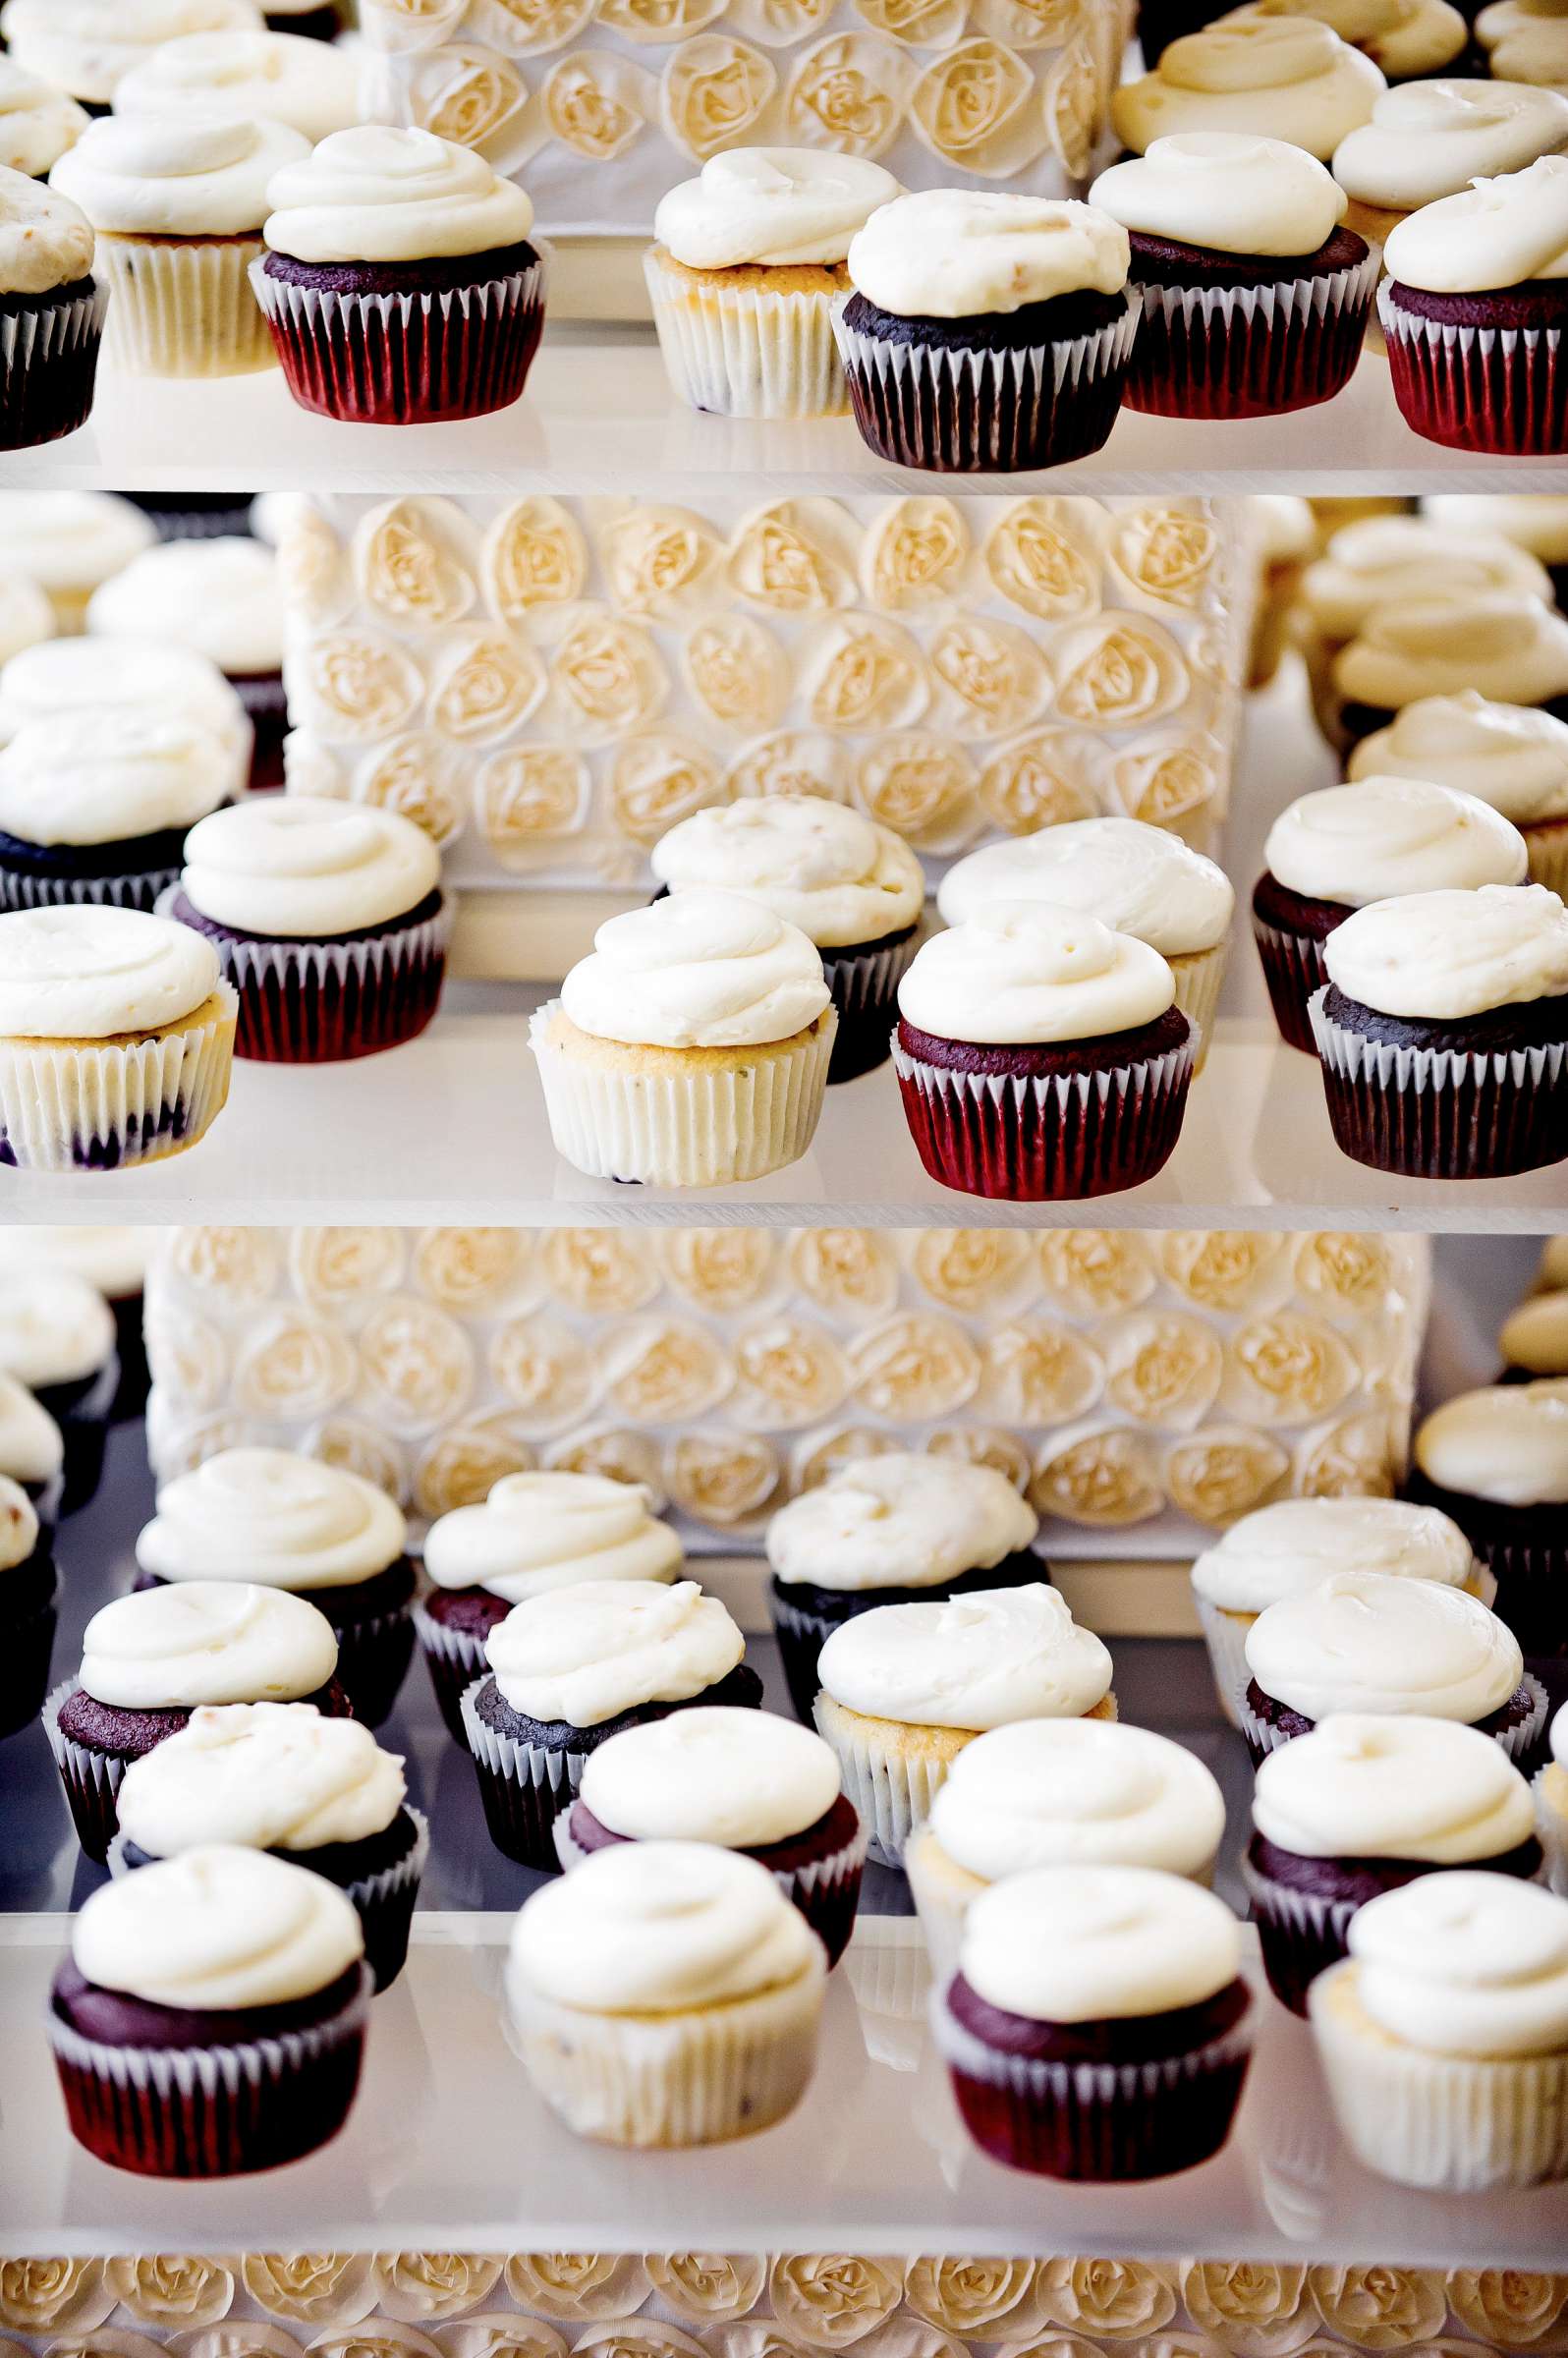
<point x="375" y="194"/>
<point x="31" y="1447"/>
<point x="19" y="1527"/>
<point x="272" y="1517"/>
<point x="537" y="1532"/>
<point x="970" y="1661"/>
<point x="37" y="122"/>
<point x="1288" y="78"/>
<point x="1507" y="1443"/>
<point x="106" y="777"/>
<point x="1498" y="232"/>
<point x="1078" y="1792"/>
<point x="1511" y="648"/>
<point x="1364" y="1641"/>
<point x="1535" y="1335"/>
<point x="1364" y="1787"/>
<point x="839" y="877"/>
<point x="700" y="970"/>
<point x="1465" y="1964"/>
<point x="584" y="1654"/>
<point x="1430" y="138"/>
<point x="152" y="676"/>
<point x="739" y="1778"/>
<point x="1385" y="561"/>
<point x="86" y="973"/>
<point x="1386" y="836"/>
<point x="1510" y="756"/>
<point x="86" y="45"/>
<point x="1018" y="972"/>
<point x="1536" y="521"/>
<point x="113" y="1260"/>
<point x="217" y="1930"/>
<point x="771" y="206"/>
<point x="659" y="1927"/>
<point x="54" y="1328"/>
<point x="222" y="596"/>
<point x="176" y="174"/>
<point x="206" y="1641"/>
<point x="1292" y="1545"/>
<point x="1527" y="40"/>
<point x="1226" y="189"/>
<point x="1446" y="955"/>
<point x="70" y="540"/>
<point x="311" y="85"/>
<point x="303" y="866"/>
<point x="271" y="1776"/>
<point x="1097" y="1943"/>
<point x="1402" y="36"/>
<point x="956" y="253"/>
<point x="25" y="615"/>
<point x="900" y="1521"/>
<point x="1135" y="879"/>
<point x="44" y="241"/>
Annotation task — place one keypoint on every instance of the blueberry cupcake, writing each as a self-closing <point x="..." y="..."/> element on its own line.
<point x="898" y="1529"/>
<point x="69" y="541"/>
<point x="852" y="886"/>
<point x="27" y="1588"/>
<point x="150" y="679"/>
<point x="317" y="1792"/>
<point x="1429" y="139"/>
<point x="1507" y="755"/>
<point x="1497" y="1460"/>
<point x="327" y="918"/>
<point x="52" y="314"/>
<point x="210" y="2017"/>
<point x="986" y="331"/>
<point x="57" y="1337"/>
<point x="31" y="1452"/>
<point x="572" y="1668"/>
<point x="95" y="806"/>
<point x="37" y="122"/>
<point x="219" y="593"/>
<point x="532" y="1533"/>
<point x="1288" y="77"/>
<point x="283" y="76"/>
<point x="1551" y="1805"/>
<point x="746" y="1781"/>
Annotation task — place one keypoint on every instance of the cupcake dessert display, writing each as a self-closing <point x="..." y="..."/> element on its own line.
<point x="52" y="311"/>
<point x="85" y="47"/>
<point x="1509" y="755"/>
<point x="131" y="679"/>
<point x="37" y="121"/>
<point x="1429" y="140"/>
<point x="57" y="1336"/>
<point x="218" y="593"/>
<point x="1496" y="1461"/>
<point x="28" y="1590"/>
<point x="273" y="76"/>
<point x="94" y="806"/>
<point x="1287" y="78"/>
<point x="1507" y="646"/>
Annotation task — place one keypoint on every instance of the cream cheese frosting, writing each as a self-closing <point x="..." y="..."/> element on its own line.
<point x="1022" y="971"/>
<point x="584" y="1654"/>
<point x="1514" y="757"/>
<point x="215" y="1930"/>
<point x="903" y="1520"/>
<point x="222" y="596"/>
<point x="19" y="1527"/>
<point x="114" y="1260"/>
<point x="310" y="86"/>
<point x="271" y="1776"/>
<point x="1366" y="1641"/>
<point x="91" y="777"/>
<point x="206" y="1641"/>
<point x="1535" y="1335"/>
<point x="975" y="1661"/>
<point x="1285" y="78"/>
<point x="1536" y="521"/>
<point x="837" y="875"/>
<point x="1385" y="836"/>
<point x="54" y="1328"/>
<point x="1507" y="1443"/>
<point x="957" y="253"/>
<point x="1502" y="232"/>
<point x="1224" y="190"/>
<point x="86" y="45"/>
<point x="1430" y="138"/>
<point x="44" y="241"/>
<point x="1078" y="1792"/>
<point x="772" y="207"/>
<point x="1403" y="38"/>
<point x="1291" y="1547"/>
<point x="1367" y="1787"/>
<point x="1507" y="648"/>
<point x="537" y="1532"/>
<point x="272" y="1517"/>
<point x="1135" y="879"/>
<point x="305" y="866"/>
<point x="86" y="973"/>
<point x="1465" y="1964"/>
<point x="1525" y="41"/>
<point x="1446" y="955"/>
<point x="1383" y="561"/>
<point x="71" y="540"/>
<point x="739" y="1778"/>
<point x="37" y="121"/>
<point x="376" y="195"/>
<point x="25" y="615"/>
<point x="700" y="970"/>
<point x="154" y="676"/>
<point x="1097" y="1943"/>
<point x="176" y="174"/>
<point x="31" y="1447"/>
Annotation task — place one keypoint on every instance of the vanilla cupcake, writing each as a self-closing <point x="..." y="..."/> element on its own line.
<point x="1535" y="521"/>
<point x="1525" y="40"/>
<point x="746" y="268"/>
<point x="137" y="680"/>
<point x="84" y="46"/>
<point x="37" y="121"/>
<point x="57" y="1336"/>
<point x="1431" y="138"/>
<point x="1512" y="756"/>
<point x="221" y="595"/>
<point x="281" y="77"/>
<point x="1510" y="649"/>
<point x="94" y="806"/>
<point x="69" y="541"/>
<point x="52" y="314"/>
<point x="1285" y="79"/>
<point x="1497" y="1460"/>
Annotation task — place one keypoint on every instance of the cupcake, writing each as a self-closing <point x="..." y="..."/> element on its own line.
<point x="31" y="1452"/>
<point x="177" y="201"/>
<point x="572" y="1668"/>
<point x="1444" y="1033"/>
<point x="1286" y="78"/>
<point x="150" y="1659"/>
<point x="1404" y="38"/>
<point x="51" y="314"/>
<point x="94" y="806"/>
<point x="210" y="2017"/>
<point x="1536" y="522"/>
<point x="27" y="617"/>
<point x="1511" y="648"/>
<point x="1293" y="1545"/>
<point x="116" y="1039"/>
<point x="898" y="1529"/>
<point x="57" y="1337"/>
<point x="28" y="1590"/>
<point x="1474" y="311"/>
<point x="1042" y="1058"/>
<point x="1496" y="1461"/>
<point x="1371" y="1642"/>
<point x="1254" y="295"/>
<point x="667" y="1995"/>
<point x="1097" y="2028"/>
<point x="534" y="1533"/>
<point x="1533" y="1339"/>
<point x="905" y="1687"/>
<point x="1367" y="1805"/>
<point x="84" y="46"/>
<point x="692" y="1048"/>
<point x="745" y="1781"/>
<point x="278" y="76"/>
<point x="277" y="1520"/>
<point x="69" y="541"/>
<point x="1135" y="879"/>
<point x="1338" y="850"/>
<point x="1509" y="755"/>
<point x="399" y="282"/>
<point x="114" y="1263"/>
<point x="327" y="918"/>
<point x="278" y="1778"/>
<point x="985" y="330"/>
<point x="1057" y="1793"/>
<point x="221" y="595"/>
<point x="744" y="271"/>
<point x="37" y="122"/>
<point x="1431" y="138"/>
<point x="1525" y="40"/>
<point x="151" y="679"/>
<point x="1443" y="2036"/>
<point x="1551" y="1805"/>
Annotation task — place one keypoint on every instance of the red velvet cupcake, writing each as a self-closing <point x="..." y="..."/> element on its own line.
<point x="1496" y="1461"/>
<point x="27" y="1587"/>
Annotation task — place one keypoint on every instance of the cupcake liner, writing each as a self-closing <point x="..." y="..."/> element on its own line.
<point x="826" y="1890"/>
<point x="524" y="1788"/>
<point x="698" y="2078"/>
<point x="26" y="1643"/>
<point x="1225" y="1635"/>
<point x="48" y="369"/>
<point x="91" y="1779"/>
<point x="1456" y="2124"/>
<point x="892" y="1791"/>
<point x="1521" y="1742"/>
<point x="21" y="888"/>
<point x="1551" y="1823"/>
<point x="1442" y="1113"/>
<point x="1299" y="1933"/>
<point x="184" y="306"/>
<point x="747" y="351"/>
<point x="455" y="1658"/>
<point x="1294" y="970"/>
<point x="864" y="987"/>
<point x="957" y="410"/>
<point x="212" y="2112"/>
<point x="1261" y="1736"/>
<point x="1547" y="842"/>
<point x="698" y="1126"/>
<point x="1198" y="976"/>
<point x="1501" y="392"/>
<point x="1249" y="352"/>
<point x="801" y="1638"/>
<point x="100" y="1106"/>
<point x="406" y="360"/>
<point x="943" y="1892"/>
<point x="1053" y="1140"/>
<point x="373" y="1658"/>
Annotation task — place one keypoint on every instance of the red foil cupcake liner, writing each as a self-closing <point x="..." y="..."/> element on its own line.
<point x="455" y="1658"/>
<point x="1293" y="969"/>
<point x="1440" y="1113"/>
<point x="48" y="369"/>
<point x="1501" y="391"/>
<point x="1300" y="1934"/>
<point x="406" y="360"/>
<point x="1249" y="352"/>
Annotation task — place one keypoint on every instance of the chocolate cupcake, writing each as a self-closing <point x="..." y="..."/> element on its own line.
<point x="1507" y="646"/>
<point x="210" y="2017"/>
<point x="1496" y="1461"/>
<point x="57" y="1337"/>
<point x="94" y="806"/>
<point x="51" y="314"/>
<point x="1289" y="77"/>
<point x="31" y="1452"/>
<point x="218" y="593"/>
<point x="1508" y="755"/>
<point x="37" y="121"/>
<point x="27" y="1587"/>
<point x="152" y="680"/>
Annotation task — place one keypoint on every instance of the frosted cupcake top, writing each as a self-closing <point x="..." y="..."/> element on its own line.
<point x="1404" y="38"/>
<point x="903" y="1520"/>
<point x="86" y="45"/>
<point x="1535" y="1335"/>
<point x="1385" y="561"/>
<point x="206" y="1640"/>
<point x="771" y="206"/>
<point x="307" y="866"/>
<point x="837" y="875"/>
<point x="1135" y="879"/>
<point x="700" y="970"/>
<point x="584" y="1654"/>
<point x="25" y="615"/>
<point x="273" y="1517"/>
<point x="1071" y="1792"/>
<point x="71" y="539"/>
<point x="176" y="174"/>
<point x="1097" y="1943"/>
<point x="1496" y="233"/>
<point x="1536" y="521"/>
<point x="1430" y="138"/>
<point x="1527" y="40"/>
<point x="19" y="1525"/>
<point x="37" y="121"/>
<point x="311" y="85"/>
<point x="1367" y="1788"/>
<point x="1385" y="836"/>
<point x="1513" y="756"/>
<point x="1224" y="190"/>
<point x="1507" y="1443"/>
<point x="222" y="596"/>
<point x="1465" y="1964"/>
<point x="1292" y="1545"/>
<point x="154" y="676"/>
<point x="537" y="1532"/>
<point x="114" y="1260"/>
<point x="1285" y="78"/>
<point x="91" y="777"/>
<point x="1363" y="1641"/>
<point x="972" y="1661"/>
<point x="54" y="1328"/>
<point x="271" y="1776"/>
<point x="376" y="195"/>
<point x="1022" y="973"/>
<point x="736" y="1778"/>
<point x="1509" y="648"/>
<point x="958" y="253"/>
<point x="86" y="973"/>
<point x="1448" y="955"/>
<point x="31" y="1447"/>
<point x="44" y="241"/>
<point x="217" y="1930"/>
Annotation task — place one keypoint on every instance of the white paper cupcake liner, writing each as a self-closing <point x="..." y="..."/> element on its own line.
<point x="694" y="1127"/>
<point x="892" y="1791"/>
<point x="747" y="351"/>
<point x="1551" y="1790"/>
<point x="942" y="1891"/>
<point x="1225" y="1635"/>
<point x="185" y="307"/>
<point x="72" y="1105"/>
<point x="544" y="1781"/>
<point x="23" y="890"/>
<point x="95" y="1774"/>
<point x="1198" y="976"/>
<point x="1477" y="1114"/>
<point x="456" y="1656"/>
<point x="45" y="345"/>
<point x="1518" y="1741"/>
